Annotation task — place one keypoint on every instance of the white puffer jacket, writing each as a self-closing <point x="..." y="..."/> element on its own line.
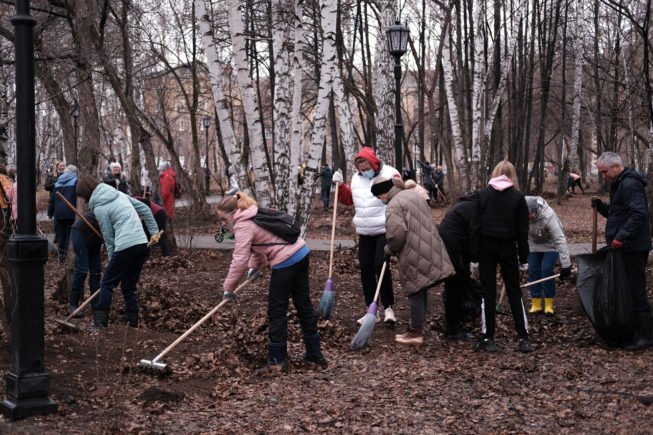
<point x="545" y="233"/>
<point x="370" y="211"/>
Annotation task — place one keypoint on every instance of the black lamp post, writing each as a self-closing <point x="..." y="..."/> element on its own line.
<point x="206" y="122"/>
<point x="397" y="46"/>
<point x="74" y="112"/>
<point x="28" y="383"/>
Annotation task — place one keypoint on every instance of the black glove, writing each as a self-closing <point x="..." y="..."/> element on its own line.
<point x="229" y="296"/>
<point x="387" y="258"/>
<point x="596" y="203"/>
<point x="565" y="273"/>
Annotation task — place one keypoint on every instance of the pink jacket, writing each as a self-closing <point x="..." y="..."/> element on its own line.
<point x="246" y="255"/>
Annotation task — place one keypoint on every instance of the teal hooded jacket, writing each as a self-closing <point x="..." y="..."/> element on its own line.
<point x="119" y="216"/>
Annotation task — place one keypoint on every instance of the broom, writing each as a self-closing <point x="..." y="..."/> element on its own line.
<point x="325" y="306"/>
<point x="362" y="337"/>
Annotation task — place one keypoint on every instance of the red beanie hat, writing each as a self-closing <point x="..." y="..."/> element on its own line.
<point x="368" y="154"/>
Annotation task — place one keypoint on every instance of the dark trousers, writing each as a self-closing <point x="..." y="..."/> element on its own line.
<point x="501" y="252"/>
<point x="370" y="257"/>
<point x="87" y="262"/>
<point x="635" y="265"/>
<point x="62" y="234"/>
<point x="161" y="218"/>
<point x="325" y="193"/>
<point x="125" y="269"/>
<point x="454" y="290"/>
<point x="290" y="282"/>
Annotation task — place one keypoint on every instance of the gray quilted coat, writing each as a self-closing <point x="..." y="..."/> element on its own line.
<point x="414" y="239"/>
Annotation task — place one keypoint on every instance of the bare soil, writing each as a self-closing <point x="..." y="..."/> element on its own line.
<point x="571" y="383"/>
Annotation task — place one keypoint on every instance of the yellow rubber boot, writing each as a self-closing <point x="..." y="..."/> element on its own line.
<point x="536" y="306"/>
<point x="548" y="306"/>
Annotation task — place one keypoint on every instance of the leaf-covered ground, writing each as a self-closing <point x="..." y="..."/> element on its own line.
<point x="572" y="383"/>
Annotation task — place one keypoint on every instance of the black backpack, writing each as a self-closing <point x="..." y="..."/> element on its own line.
<point x="279" y="223"/>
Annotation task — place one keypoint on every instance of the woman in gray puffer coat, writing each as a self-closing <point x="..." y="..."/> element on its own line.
<point x="413" y="237"/>
<point x="546" y="241"/>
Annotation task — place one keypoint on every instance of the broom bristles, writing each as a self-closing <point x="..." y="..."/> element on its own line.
<point x="364" y="334"/>
<point x="325" y="307"/>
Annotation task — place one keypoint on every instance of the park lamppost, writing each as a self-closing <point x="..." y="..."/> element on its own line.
<point x="206" y="122"/>
<point x="74" y="112"/>
<point x="397" y="45"/>
<point x="28" y="382"/>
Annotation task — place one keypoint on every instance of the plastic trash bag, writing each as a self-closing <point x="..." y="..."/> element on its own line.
<point x="602" y="286"/>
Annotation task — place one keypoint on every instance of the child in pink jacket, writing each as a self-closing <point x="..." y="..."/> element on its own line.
<point x="255" y="248"/>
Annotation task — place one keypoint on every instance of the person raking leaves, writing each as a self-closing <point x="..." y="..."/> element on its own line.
<point x="257" y="247"/>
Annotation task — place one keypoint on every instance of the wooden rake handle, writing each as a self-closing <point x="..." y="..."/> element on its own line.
<point x="197" y="324"/>
<point x="333" y="229"/>
<point x="594" y="226"/>
<point x="81" y="216"/>
<point x="81" y="307"/>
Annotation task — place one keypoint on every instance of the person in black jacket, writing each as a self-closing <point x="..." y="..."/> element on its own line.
<point x="116" y="179"/>
<point x="455" y="230"/>
<point x="628" y="229"/>
<point x="499" y="236"/>
<point x="62" y="214"/>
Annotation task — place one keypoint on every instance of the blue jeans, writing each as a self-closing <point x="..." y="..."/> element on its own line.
<point x="125" y="268"/>
<point x="325" y="193"/>
<point x="87" y="262"/>
<point x="540" y="265"/>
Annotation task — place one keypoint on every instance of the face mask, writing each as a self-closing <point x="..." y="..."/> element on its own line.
<point x="369" y="174"/>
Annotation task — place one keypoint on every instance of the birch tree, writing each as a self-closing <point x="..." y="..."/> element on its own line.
<point x="384" y="86"/>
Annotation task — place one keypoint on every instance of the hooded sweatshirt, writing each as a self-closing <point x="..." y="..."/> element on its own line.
<point x="119" y="217"/>
<point x="369" y="218"/>
<point x="501" y="213"/>
<point x="65" y="185"/>
<point x="545" y="233"/>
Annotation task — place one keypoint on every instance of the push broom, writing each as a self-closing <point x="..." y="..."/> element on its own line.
<point x="362" y="337"/>
<point x="325" y="307"/>
<point x="156" y="362"/>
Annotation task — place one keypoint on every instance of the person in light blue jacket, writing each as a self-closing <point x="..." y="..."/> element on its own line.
<point x="119" y="216"/>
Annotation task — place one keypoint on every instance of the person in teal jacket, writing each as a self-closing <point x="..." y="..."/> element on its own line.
<point x="119" y="216"/>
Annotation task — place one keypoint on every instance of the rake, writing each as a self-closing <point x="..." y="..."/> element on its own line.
<point x="66" y="322"/>
<point x="325" y="307"/>
<point x="162" y="367"/>
<point x="362" y="337"/>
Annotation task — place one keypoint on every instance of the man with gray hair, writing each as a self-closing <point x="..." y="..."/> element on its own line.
<point x="628" y="228"/>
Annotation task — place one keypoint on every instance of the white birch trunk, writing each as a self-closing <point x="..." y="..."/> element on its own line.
<point x="578" y="87"/>
<point x="262" y="185"/>
<point x="384" y="88"/>
<point x="456" y="133"/>
<point x="296" y="121"/>
<point x="345" y="120"/>
<point x="216" y="72"/>
<point x="282" y="115"/>
<point x="478" y="89"/>
<point x="329" y="58"/>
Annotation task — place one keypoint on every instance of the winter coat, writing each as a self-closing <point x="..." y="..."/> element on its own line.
<point x="412" y="236"/>
<point x="91" y="240"/>
<point x="501" y="213"/>
<point x="66" y="186"/>
<point x="627" y="212"/>
<point x="369" y="218"/>
<point x="119" y="217"/>
<point x="168" y="181"/>
<point x="255" y="247"/>
<point x="119" y="182"/>
<point x="545" y="232"/>
<point x="12" y="196"/>
<point x="455" y="231"/>
<point x="427" y="174"/>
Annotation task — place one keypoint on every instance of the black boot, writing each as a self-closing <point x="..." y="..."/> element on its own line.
<point x="132" y="318"/>
<point x="100" y="319"/>
<point x="313" y="353"/>
<point x="456" y="332"/>
<point x="644" y="337"/>
<point x="277" y="359"/>
<point x="73" y="301"/>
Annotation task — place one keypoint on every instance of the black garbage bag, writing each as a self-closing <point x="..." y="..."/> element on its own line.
<point x="602" y="286"/>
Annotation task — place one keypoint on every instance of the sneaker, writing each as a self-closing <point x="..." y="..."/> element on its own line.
<point x="486" y="345"/>
<point x="360" y="321"/>
<point x="410" y="337"/>
<point x="525" y="346"/>
<point x="457" y="333"/>
<point x="389" y="316"/>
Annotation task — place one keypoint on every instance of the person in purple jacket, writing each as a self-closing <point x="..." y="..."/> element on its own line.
<point x="257" y="247"/>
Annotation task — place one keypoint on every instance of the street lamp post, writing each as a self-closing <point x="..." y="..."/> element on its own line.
<point x="74" y="112"/>
<point x="397" y="45"/>
<point x="28" y="382"/>
<point x="206" y="122"/>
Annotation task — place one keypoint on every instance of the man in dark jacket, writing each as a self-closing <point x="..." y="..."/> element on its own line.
<point x="628" y="228"/>
<point x="455" y="232"/>
<point x="327" y="176"/>
<point x="62" y="214"/>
